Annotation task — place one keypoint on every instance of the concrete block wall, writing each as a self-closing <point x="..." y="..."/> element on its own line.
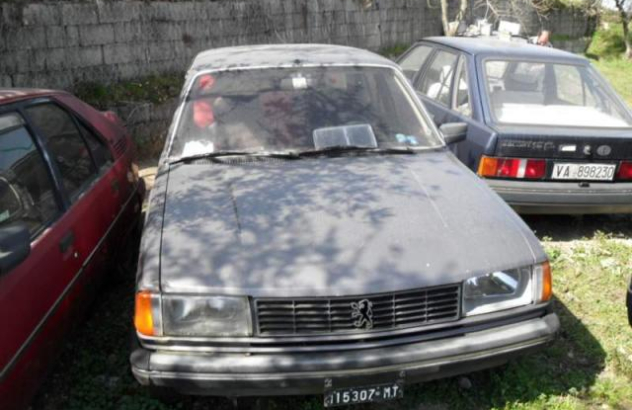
<point x="62" y="43"/>
<point x="148" y="124"/>
<point x="570" y="23"/>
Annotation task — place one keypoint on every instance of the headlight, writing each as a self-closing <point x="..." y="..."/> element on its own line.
<point x="507" y="289"/>
<point x="188" y="315"/>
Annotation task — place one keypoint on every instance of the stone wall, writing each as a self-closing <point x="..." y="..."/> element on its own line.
<point x="148" y="124"/>
<point x="59" y="44"/>
<point x="570" y="23"/>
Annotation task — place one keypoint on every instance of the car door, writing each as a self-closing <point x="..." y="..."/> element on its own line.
<point x="114" y="153"/>
<point x="30" y="195"/>
<point x="85" y="189"/>
<point x="434" y="83"/>
<point x="42" y="297"/>
<point x="459" y="103"/>
<point x="414" y="59"/>
<point x="465" y="108"/>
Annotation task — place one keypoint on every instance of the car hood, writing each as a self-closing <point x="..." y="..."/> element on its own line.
<point x="334" y="226"/>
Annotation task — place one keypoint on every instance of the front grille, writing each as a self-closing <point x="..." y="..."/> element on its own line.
<point x="304" y="316"/>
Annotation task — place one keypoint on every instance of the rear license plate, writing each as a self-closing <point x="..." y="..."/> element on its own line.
<point x="591" y="172"/>
<point x="369" y="394"/>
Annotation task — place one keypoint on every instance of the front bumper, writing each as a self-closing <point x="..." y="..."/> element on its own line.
<point x="531" y="197"/>
<point x="231" y="374"/>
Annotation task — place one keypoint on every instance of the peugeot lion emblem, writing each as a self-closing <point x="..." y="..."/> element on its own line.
<point x="362" y="313"/>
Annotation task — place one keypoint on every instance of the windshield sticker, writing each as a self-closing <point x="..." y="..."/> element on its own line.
<point x="4" y="216"/>
<point x="406" y="139"/>
<point x="206" y="82"/>
<point x="299" y="83"/>
<point x="193" y="148"/>
<point x="203" y="115"/>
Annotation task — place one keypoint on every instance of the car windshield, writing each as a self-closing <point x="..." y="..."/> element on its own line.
<point x="299" y="109"/>
<point x="539" y="93"/>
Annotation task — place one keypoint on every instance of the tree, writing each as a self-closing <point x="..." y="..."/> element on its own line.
<point x="514" y="9"/>
<point x="625" y="13"/>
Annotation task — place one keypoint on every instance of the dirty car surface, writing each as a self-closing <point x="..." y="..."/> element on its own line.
<point x="70" y="205"/>
<point x="306" y="235"/>
<point x="546" y="131"/>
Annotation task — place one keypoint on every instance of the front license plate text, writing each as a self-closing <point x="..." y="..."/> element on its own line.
<point x="357" y="395"/>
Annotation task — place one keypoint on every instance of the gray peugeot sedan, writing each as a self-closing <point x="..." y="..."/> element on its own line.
<point x="309" y="232"/>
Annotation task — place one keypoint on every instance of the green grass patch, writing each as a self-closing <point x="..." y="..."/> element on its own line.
<point x="152" y="89"/>
<point x="618" y="71"/>
<point x="607" y="41"/>
<point x="395" y="51"/>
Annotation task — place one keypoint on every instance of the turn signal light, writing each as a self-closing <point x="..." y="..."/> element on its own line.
<point x="547" y="282"/>
<point x="143" y="319"/>
<point x="625" y="170"/>
<point x="521" y="168"/>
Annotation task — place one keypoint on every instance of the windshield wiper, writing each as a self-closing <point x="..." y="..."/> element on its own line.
<point x="217" y="154"/>
<point x="352" y="148"/>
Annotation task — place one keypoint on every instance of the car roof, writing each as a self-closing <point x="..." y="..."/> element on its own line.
<point x="9" y="95"/>
<point x="275" y="55"/>
<point x="493" y="47"/>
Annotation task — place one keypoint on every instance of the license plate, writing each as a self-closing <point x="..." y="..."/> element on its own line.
<point x="591" y="172"/>
<point x="369" y="394"/>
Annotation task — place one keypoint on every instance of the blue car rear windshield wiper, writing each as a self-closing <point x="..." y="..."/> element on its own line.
<point x="217" y="154"/>
<point x="352" y="148"/>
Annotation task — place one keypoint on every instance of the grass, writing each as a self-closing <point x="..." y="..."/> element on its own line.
<point x="152" y="89"/>
<point x="618" y="71"/>
<point x="589" y="366"/>
<point x="607" y="41"/>
<point x="395" y="51"/>
<point x="606" y="50"/>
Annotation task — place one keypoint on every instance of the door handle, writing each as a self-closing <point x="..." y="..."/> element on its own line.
<point x="66" y="242"/>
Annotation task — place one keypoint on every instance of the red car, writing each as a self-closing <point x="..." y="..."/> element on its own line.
<point x="70" y="198"/>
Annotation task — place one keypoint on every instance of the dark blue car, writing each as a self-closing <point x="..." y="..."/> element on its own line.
<point x="545" y="130"/>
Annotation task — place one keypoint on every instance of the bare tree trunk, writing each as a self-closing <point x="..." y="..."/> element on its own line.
<point x="462" y="10"/>
<point x="444" y="17"/>
<point x="626" y="40"/>
<point x="625" y="23"/>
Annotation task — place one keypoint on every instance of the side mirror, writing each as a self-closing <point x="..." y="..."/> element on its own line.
<point x="453" y="132"/>
<point x="15" y="246"/>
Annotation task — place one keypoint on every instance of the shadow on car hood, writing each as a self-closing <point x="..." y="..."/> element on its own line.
<point x="334" y="226"/>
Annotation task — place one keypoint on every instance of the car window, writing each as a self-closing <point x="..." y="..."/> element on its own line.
<point x="100" y="151"/>
<point x="437" y="79"/>
<point x="413" y="61"/>
<point x="26" y="189"/>
<point x="551" y="93"/>
<point x="276" y="109"/>
<point x="571" y="88"/>
<point x="65" y="145"/>
<point x="461" y="101"/>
